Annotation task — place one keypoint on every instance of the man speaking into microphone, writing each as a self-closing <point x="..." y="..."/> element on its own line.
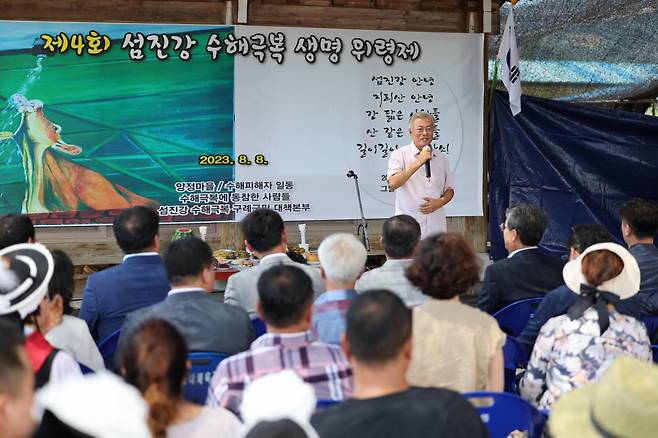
<point x="421" y="177"/>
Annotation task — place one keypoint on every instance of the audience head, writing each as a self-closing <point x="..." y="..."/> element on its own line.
<point x="400" y="236"/>
<point x="16" y="384"/>
<point x="24" y="281"/>
<point x="57" y="301"/>
<point x="267" y="414"/>
<point x="263" y="231"/>
<point x="524" y="226"/>
<point x="342" y="259"/>
<point x="98" y="405"/>
<point x="154" y="360"/>
<point x="624" y="402"/>
<point x="285" y="296"/>
<point x="378" y="330"/>
<point x="136" y="230"/>
<point x="445" y="266"/>
<point x="14" y="229"/>
<point x="584" y="236"/>
<point x="606" y="266"/>
<point x="283" y="428"/>
<point x="639" y="221"/>
<point x="188" y="262"/>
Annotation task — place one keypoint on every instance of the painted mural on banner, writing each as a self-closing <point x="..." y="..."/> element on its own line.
<point x="209" y="123"/>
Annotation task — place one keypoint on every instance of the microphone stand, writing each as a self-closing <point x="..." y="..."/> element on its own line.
<point x="364" y="225"/>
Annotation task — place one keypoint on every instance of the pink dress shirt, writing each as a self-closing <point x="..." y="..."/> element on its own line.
<point x="409" y="195"/>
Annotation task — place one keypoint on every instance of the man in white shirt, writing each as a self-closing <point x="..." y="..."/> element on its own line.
<point x="266" y="237"/>
<point x="417" y="195"/>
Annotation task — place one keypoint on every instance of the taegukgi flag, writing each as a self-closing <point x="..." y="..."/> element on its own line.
<point x="510" y="58"/>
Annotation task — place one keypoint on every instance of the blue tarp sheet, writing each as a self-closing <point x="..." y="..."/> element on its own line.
<point x="577" y="162"/>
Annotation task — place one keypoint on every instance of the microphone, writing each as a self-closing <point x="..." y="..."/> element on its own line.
<point x="428" y="170"/>
<point x="351" y="174"/>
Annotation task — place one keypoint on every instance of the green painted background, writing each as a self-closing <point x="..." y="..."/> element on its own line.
<point x="142" y="124"/>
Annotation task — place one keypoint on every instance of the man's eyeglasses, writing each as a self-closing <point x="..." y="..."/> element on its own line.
<point x="502" y="226"/>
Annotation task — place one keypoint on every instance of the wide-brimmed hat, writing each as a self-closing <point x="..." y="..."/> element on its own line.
<point x="625" y="285"/>
<point x="624" y="403"/>
<point x="32" y="266"/>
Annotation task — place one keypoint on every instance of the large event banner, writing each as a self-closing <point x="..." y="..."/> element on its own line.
<point x="207" y="123"/>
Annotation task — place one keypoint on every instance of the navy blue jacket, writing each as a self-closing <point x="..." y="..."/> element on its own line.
<point x="111" y="294"/>
<point x="527" y="274"/>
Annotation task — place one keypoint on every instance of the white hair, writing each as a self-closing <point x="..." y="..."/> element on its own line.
<point x="342" y="257"/>
<point x="421" y="115"/>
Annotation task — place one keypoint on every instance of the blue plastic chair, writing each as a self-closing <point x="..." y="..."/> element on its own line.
<point x="324" y="404"/>
<point x="108" y="347"/>
<point x="204" y="365"/>
<point x="513" y="318"/>
<point x="514" y="356"/>
<point x="503" y="413"/>
<point x="259" y="326"/>
<point x="654" y="350"/>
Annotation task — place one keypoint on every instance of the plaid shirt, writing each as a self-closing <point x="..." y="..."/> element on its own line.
<point x="330" y="313"/>
<point x="321" y="365"/>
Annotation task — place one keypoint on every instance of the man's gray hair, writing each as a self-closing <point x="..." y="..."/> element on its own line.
<point x="342" y="257"/>
<point x="421" y="115"/>
<point x="528" y="220"/>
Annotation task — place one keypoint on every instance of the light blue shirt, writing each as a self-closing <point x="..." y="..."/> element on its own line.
<point x="329" y="314"/>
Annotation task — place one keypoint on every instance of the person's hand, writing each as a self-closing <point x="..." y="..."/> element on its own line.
<point x="425" y="154"/>
<point x="430" y="205"/>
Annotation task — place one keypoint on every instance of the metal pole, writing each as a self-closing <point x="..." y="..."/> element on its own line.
<point x="364" y="224"/>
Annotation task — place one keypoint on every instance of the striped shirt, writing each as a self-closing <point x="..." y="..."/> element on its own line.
<point x="321" y="365"/>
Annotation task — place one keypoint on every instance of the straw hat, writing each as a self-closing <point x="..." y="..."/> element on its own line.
<point x="625" y="285"/>
<point x="624" y="403"/>
<point x="32" y="267"/>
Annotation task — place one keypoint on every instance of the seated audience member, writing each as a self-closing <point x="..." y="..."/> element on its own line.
<point x="379" y="346"/>
<point x="137" y="282"/>
<point x="639" y="225"/>
<point x="205" y="323"/>
<point x="16" y="384"/>
<point x="575" y="349"/>
<point x="31" y="267"/>
<point x="15" y="229"/>
<point x="454" y="345"/>
<point x="285" y="304"/>
<point x="54" y="320"/>
<point x="558" y="301"/>
<point x="99" y="405"/>
<point x="266" y="237"/>
<point x="527" y="272"/>
<point x="623" y="403"/>
<point x="342" y="260"/>
<point x="400" y="236"/>
<point x="268" y="414"/>
<point x="154" y="360"/>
